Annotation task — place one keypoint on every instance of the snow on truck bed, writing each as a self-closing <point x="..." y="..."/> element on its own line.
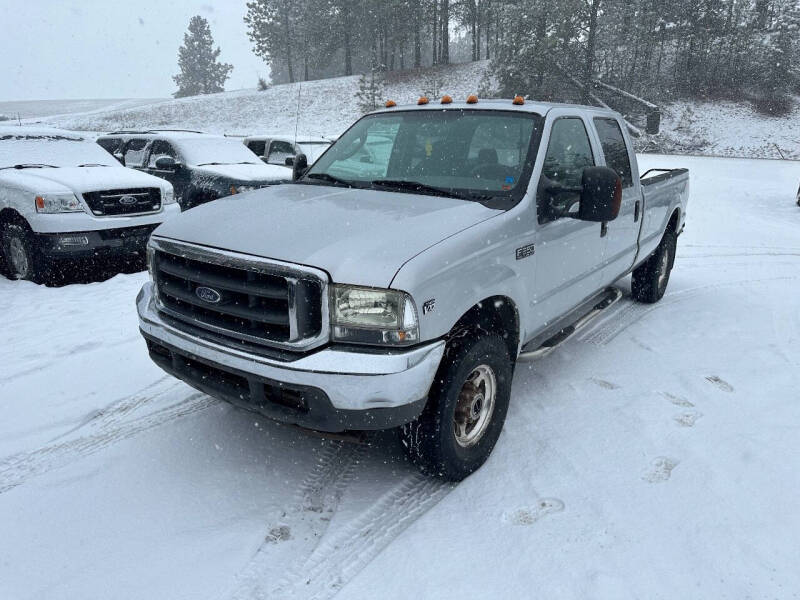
<point x="653" y="457"/>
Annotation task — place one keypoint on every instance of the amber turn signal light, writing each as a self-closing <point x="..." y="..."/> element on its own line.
<point x="472" y="99"/>
<point x="390" y="104"/>
<point x="422" y="100"/>
<point x="447" y="99"/>
<point x="518" y="100"/>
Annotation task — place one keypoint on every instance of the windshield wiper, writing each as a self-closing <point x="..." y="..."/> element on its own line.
<point x="92" y="165"/>
<point x="329" y="178"/>
<point x="30" y="166"/>
<point x="416" y="186"/>
<point x="212" y="164"/>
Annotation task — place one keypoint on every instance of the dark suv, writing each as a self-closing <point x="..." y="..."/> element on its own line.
<point x="200" y="167"/>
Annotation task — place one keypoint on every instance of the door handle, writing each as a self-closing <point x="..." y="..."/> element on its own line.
<point x="636" y="211"/>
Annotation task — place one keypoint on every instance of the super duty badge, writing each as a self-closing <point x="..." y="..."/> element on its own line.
<point x="525" y="251"/>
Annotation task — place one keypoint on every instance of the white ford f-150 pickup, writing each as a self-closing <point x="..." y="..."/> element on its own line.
<point x="63" y="196"/>
<point x="399" y="289"/>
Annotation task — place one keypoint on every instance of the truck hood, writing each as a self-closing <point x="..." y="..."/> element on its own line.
<point x="358" y="236"/>
<point x="246" y="173"/>
<point x="77" y="179"/>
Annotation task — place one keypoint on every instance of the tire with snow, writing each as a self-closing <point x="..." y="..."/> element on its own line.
<point x="22" y="257"/>
<point x="466" y="409"/>
<point x="650" y="279"/>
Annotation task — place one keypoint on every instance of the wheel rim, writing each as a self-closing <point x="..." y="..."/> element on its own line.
<point x="663" y="270"/>
<point x="18" y="257"/>
<point x="475" y="406"/>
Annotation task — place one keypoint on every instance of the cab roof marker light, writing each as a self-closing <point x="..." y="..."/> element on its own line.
<point x="472" y="99"/>
<point x="518" y="100"/>
<point x="447" y="99"/>
<point x="422" y="100"/>
<point x="390" y="104"/>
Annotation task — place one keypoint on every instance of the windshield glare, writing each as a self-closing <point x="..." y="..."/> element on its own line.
<point x="480" y="152"/>
<point x="51" y="149"/>
<point x="202" y="150"/>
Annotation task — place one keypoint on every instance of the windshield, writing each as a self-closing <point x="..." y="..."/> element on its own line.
<point x="472" y="153"/>
<point x="313" y="150"/>
<point x="215" y="150"/>
<point x="51" y="149"/>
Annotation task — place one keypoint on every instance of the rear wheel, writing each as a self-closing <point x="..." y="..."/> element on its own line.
<point x="466" y="409"/>
<point x="22" y="257"/>
<point x="650" y="279"/>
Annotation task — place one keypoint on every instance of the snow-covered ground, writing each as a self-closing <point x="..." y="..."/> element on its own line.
<point x="329" y="106"/>
<point x="326" y="106"/>
<point x="732" y="129"/>
<point x="33" y="109"/>
<point x="653" y="457"/>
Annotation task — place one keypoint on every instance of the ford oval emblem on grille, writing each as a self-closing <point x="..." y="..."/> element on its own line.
<point x="207" y="294"/>
<point x="127" y="200"/>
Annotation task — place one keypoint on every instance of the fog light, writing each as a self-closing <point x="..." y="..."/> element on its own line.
<point x="73" y="240"/>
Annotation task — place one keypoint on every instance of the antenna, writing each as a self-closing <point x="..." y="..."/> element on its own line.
<point x="297" y="112"/>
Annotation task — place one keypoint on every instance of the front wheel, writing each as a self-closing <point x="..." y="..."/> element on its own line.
<point x="650" y="279"/>
<point x="466" y="409"/>
<point x="21" y="254"/>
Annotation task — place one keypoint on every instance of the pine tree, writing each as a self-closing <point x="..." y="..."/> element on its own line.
<point x="370" y="90"/>
<point x="201" y="73"/>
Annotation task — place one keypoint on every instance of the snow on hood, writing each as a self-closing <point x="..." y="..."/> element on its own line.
<point x="77" y="179"/>
<point x="358" y="236"/>
<point x="256" y="172"/>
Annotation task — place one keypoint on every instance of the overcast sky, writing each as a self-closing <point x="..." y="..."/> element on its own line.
<point x="75" y="49"/>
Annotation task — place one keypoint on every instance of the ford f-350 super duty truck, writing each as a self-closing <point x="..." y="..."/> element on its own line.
<point x="399" y="288"/>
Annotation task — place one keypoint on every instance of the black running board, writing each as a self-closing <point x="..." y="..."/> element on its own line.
<point x="535" y="349"/>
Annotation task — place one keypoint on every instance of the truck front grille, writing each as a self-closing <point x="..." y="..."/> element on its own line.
<point x="246" y="301"/>
<point x="123" y="202"/>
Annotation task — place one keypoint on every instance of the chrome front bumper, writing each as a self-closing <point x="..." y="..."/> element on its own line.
<point x="352" y="381"/>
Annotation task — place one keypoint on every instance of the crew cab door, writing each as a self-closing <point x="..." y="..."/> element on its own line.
<point x="622" y="232"/>
<point x="568" y="252"/>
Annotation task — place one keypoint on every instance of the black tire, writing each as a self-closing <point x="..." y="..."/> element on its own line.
<point x="15" y="239"/>
<point x="430" y="441"/>
<point x="650" y="279"/>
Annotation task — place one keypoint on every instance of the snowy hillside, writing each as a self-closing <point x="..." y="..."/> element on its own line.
<point x="649" y="457"/>
<point x="327" y="106"/>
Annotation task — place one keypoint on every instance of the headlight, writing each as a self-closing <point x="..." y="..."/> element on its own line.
<point x="168" y="196"/>
<point x="58" y="203"/>
<point x="372" y="316"/>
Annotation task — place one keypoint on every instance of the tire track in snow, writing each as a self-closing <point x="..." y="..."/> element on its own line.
<point x="341" y="556"/>
<point x="111" y="429"/>
<point x="631" y="312"/>
<point x="309" y="514"/>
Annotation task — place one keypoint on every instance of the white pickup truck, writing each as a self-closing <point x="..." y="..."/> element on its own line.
<point x="399" y="288"/>
<point x="63" y="196"/>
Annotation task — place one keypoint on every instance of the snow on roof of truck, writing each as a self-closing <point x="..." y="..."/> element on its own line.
<point x="25" y="131"/>
<point x="531" y="106"/>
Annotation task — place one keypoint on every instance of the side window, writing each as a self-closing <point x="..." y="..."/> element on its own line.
<point x="614" y="148"/>
<point x="158" y="149"/>
<point x="279" y="151"/>
<point x="568" y="154"/>
<point x="112" y="146"/>
<point x="134" y="153"/>
<point x="257" y="146"/>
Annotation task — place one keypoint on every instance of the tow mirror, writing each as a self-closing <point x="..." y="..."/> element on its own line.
<point x="289" y="162"/>
<point x="166" y="163"/>
<point x="601" y="195"/>
<point x="299" y="166"/>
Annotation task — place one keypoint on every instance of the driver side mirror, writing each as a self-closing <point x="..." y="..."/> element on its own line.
<point x="289" y="162"/>
<point x="601" y="195"/>
<point x="166" y="163"/>
<point x="299" y="166"/>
